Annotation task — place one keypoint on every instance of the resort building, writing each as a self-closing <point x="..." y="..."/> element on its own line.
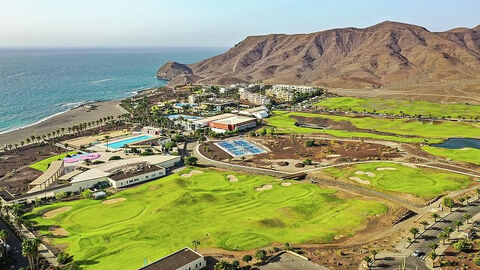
<point x="119" y="173"/>
<point x="204" y="122"/>
<point x="294" y="88"/>
<point x="234" y="123"/>
<point x="48" y="177"/>
<point x="254" y="98"/>
<point x="185" y="121"/>
<point x="220" y="103"/>
<point x="184" y="259"/>
<point x="257" y="112"/>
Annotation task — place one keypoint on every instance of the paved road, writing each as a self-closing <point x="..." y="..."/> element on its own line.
<point x="16" y="245"/>
<point x="425" y="239"/>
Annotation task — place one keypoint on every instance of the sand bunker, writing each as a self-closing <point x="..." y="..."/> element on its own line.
<point x="386" y="169"/>
<point x="357" y="179"/>
<point x="192" y="173"/>
<point x="232" y="178"/>
<point x="112" y="201"/>
<point x="265" y="187"/>
<point x="286" y="184"/>
<point x="57" y="231"/>
<point x="55" y="212"/>
<point x="369" y="174"/>
<point x="152" y="187"/>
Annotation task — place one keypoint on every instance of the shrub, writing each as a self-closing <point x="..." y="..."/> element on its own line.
<point x="64" y="258"/>
<point x="261" y="255"/>
<point x="60" y="196"/>
<point x="98" y="162"/>
<point x="307" y="162"/>
<point x="310" y="143"/>
<point x="191" y="161"/>
<point x="115" y="158"/>
<point x="87" y="193"/>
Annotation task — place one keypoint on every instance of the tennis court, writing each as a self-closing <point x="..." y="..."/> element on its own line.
<point x="238" y="148"/>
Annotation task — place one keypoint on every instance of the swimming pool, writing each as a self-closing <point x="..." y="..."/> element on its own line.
<point x="238" y="148"/>
<point x="186" y="117"/>
<point x="121" y="143"/>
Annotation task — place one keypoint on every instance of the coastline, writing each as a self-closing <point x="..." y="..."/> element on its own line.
<point x="68" y="118"/>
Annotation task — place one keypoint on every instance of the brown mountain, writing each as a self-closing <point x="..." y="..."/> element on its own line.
<point x="387" y="55"/>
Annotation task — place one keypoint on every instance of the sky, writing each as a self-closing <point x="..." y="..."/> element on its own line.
<point x="208" y="23"/>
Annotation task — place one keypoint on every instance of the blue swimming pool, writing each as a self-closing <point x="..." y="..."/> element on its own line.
<point x="121" y="143"/>
<point x="238" y="148"/>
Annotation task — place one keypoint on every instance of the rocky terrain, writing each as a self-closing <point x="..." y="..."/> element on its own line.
<point x="390" y="55"/>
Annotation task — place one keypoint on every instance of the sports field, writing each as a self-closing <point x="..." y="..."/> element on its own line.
<point x="422" y="130"/>
<point x="220" y="209"/>
<point x="469" y="155"/>
<point x="391" y="177"/>
<point x="399" y="107"/>
<point x="42" y="165"/>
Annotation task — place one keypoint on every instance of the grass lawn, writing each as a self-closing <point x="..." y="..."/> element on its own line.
<point x="397" y="107"/>
<point x="43" y="164"/>
<point x="421" y="182"/>
<point x="469" y="155"/>
<point x="167" y="214"/>
<point x="433" y="132"/>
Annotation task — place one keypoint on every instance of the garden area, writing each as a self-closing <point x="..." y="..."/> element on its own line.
<point x="219" y="209"/>
<point x="43" y="164"/>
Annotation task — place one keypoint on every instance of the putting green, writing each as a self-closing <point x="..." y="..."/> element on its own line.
<point x="165" y="215"/>
<point x="425" y="183"/>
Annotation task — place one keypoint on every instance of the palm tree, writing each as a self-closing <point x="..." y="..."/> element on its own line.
<point x="368" y="260"/>
<point x="107" y="138"/>
<point x="425" y="224"/>
<point x="435" y="216"/>
<point x="478" y="193"/>
<point x="195" y="244"/>
<point x="433" y="256"/>
<point x="458" y="223"/>
<point x="30" y="251"/>
<point x="413" y="231"/>
<point x="433" y="246"/>
<point x="443" y="236"/>
<point x="3" y="236"/>
<point x="374" y="253"/>
<point x="467" y="217"/>
<point x="467" y="198"/>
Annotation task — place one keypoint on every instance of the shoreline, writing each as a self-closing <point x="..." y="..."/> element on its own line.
<point x="67" y="118"/>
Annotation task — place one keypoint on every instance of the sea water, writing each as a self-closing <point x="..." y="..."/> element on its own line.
<point x="38" y="83"/>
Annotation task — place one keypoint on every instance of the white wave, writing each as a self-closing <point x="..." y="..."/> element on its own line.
<point x="16" y="75"/>
<point x="32" y="124"/>
<point x="101" y="81"/>
<point x="73" y="104"/>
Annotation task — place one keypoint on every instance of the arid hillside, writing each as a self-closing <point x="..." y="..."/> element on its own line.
<point x="390" y="56"/>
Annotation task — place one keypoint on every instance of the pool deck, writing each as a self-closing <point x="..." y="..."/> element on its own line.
<point x="103" y="146"/>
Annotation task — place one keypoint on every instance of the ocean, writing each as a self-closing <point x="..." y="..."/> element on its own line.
<point x="36" y="84"/>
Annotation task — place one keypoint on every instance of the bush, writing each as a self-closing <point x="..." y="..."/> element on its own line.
<point x="87" y="193"/>
<point x="60" y="196"/>
<point x="191" y="161"/>
<point x="310" y="143"/>
<point x="64" y="258"/>
<point x="98" y="162"/>
<point x="115" y="158"/>
<point x="307" y="162"/>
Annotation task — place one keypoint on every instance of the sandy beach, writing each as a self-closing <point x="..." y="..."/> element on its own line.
<point x="67" y="119"/>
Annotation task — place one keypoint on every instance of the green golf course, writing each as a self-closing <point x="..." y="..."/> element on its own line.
<point x="396" y="178"/>
<point x="469" y="155"/>
<point x="162" y="216"/>
<point x="420" y="130"/>
<point x="399" y="107"/>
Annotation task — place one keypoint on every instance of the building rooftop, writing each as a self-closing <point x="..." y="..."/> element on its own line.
<point x="106" y="169"/>
<point x="54" y="167"/>
<point x="207" y="120"/>
<point x="132" y="172"/>
<point x="174" y="260"/>
<point x="234" y="120"/>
